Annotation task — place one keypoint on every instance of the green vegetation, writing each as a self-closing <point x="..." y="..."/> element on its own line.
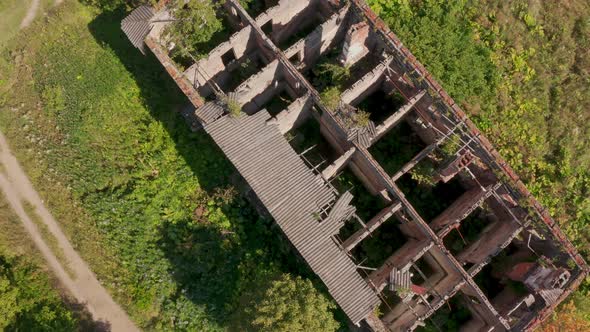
<point x="94" y="123"/>
<point x="195" y="23"/>
<point x="110" y="5"/>
<point x="330" y="73"/>
<point x="521" y="69"/>
<point x="361" y="118"/>
<point x="28" y="302"/>
<point x="48" y="237"/>
<point x="284" y="304"/>
<point x="448" y="318"/>
<point x="331" y="97"/>
<point x="146" y="202"/>
<point x="234" y="108"/>
<point x="397" y="148"/>
<point x="441" y="36"/>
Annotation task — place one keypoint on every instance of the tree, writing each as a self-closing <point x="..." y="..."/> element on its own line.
<point x="8" y="299"/>
<point x="27" y="300"/>
<point x="330" y="74"/>
<point x="284" y="303"/>
<point x="195" y="23"/>
<point x="566" y="319"/>
<point x="431" y="28"/>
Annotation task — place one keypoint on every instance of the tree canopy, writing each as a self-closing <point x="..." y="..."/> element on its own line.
<point x="195" y="22"/>
<point x="27" y="300"/>
<point x="284" y="303"/>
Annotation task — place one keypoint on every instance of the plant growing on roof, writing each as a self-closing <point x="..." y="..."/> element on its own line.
<point x="331" y="97"/>
<point x="403" y="292"/>
<point x="234" y="108"/>
<point x="195" y="22"/>
<point x="451" y="146"/>
<point x="361" y="118"/>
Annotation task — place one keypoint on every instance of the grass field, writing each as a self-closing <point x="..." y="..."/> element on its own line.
<point x="95" y="124"/>
<point x="146" y="202"/>
<point x="11" y="14"/>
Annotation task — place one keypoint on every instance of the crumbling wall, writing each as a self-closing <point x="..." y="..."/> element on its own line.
<point x="261" y="84"/>
<point x="323" y="38"/>
<point x="240" y="43"/>
<point x="298" y="112"/>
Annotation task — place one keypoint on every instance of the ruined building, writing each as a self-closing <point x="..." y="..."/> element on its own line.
<point x="403" y="215"/>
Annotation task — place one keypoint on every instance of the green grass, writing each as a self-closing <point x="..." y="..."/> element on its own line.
<point x="15" y="242"/>
<point x="94" y="123"/>
<point x="12" y="13"/>
<point x="13" y="234"/>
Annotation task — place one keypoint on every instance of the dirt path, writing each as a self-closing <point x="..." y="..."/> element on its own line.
<point x="31" y="13"/>
<point x="85" y="287"/>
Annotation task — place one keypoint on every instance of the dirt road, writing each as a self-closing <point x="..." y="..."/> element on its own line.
<point x="31" y="13"/>
<point x="84" y="287"/>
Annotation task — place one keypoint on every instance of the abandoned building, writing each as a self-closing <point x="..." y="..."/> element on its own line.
<point x="428" y="217"/>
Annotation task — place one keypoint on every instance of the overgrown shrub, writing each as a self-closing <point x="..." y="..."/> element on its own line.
<point x="331" y="97"/>
<point x="195" y="22"/>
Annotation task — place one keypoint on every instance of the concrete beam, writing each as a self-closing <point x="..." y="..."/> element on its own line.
<point x="489" y="242"/>
<point x="410" y="164"/>
<point x="396" y="117"/>
<point x="447" y="172"/>
<point x="366" y="85"/>
<point x="460" y="209"/>
<point x="371" y="226"/>
<point x="409" y="252"/>
<point x="338" y="164"/>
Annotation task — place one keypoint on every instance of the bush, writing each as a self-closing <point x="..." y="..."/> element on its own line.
<point x="195" y="23"/>
<point x="28" y="302"/>
<point x="110" y="5"/>
<point x="284" y="304"/>
<point x="234" y="108"/>
<point x="331" y="97"/>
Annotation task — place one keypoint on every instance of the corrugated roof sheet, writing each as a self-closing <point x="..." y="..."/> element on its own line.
<point x="209" y="112"/>
<point x="293" y="196"/>
<point x="137" y="26"/>
<point x="340" y="212"/>
<point x="550" y="295"/>
<point x="399" y="279"/>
